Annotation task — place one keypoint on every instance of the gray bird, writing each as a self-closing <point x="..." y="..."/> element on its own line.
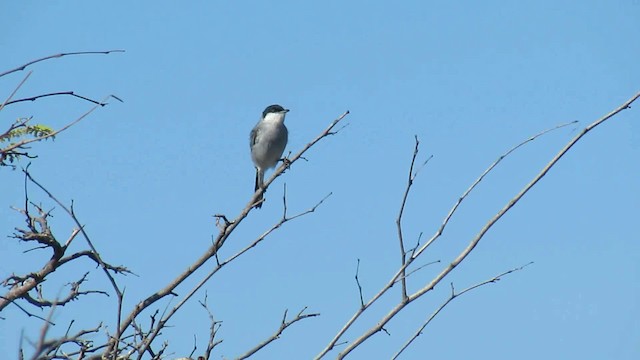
<point x="267" y="141"/>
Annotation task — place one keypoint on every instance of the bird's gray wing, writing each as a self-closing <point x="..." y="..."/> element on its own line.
<point x="253" y="136"/>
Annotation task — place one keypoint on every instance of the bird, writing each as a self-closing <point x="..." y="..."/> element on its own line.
<point x="267" y="141"/>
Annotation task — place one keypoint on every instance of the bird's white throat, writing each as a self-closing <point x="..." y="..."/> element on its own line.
<point x="274" y="118"/>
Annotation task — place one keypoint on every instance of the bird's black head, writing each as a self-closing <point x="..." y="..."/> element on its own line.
<point x="273" y="109"/>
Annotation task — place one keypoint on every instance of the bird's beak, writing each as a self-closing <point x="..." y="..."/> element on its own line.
<point x="286" y="110"/>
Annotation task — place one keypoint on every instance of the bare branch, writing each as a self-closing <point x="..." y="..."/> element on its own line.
<point x="419" y="268"/>
<point x="59" y="93"/>
<point x="71" y="213"/>
<point x="15" y="90"/>
<point x="464" y="253"/>
<point x="474" y="242"/>
<point x="410" y="178"/>
<point x="286" y="165"/>
<point x="358" y="283"/>
<point x="27" y="312"/>
<point x="54" y="345"/>
<point x="74" y="293"/>
<point x="226" y="229"/>
<point x="22" y="67"/>
<point x="283" y="325"/>
<point x="478" y="180"/>
<point x="106" y="268"/>
<point x="213" y="330"/>
<point x="20" y="286"/>
<point x="95" y="258"/>
<point x="453" y="296"/>
<point x="204" y="280"/>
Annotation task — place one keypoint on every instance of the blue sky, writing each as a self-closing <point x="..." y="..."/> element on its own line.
<point x="471" y="80"/>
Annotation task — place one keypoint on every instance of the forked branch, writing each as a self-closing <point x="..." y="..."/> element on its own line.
<point x="283" y="325"/>
<point x="454" y="295"/>
<point x="226" y="228"/>
<point x="464" y="253"/>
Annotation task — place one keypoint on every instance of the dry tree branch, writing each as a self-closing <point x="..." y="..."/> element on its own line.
<point x="96" y="255"/>
<point x="59" y="93"/>
<point x="40" y="232"/>
<point x="416" y="251"/>
<point x="95" y="258"/>
<point x="55" y="344"/>
<point x="22" y="67"/>
<point x="73" y="294"/>
<point x="478" y="180"/>
<point x="287" y="164"/>
<point x="283" y="325"/>
<point x="15" y="90"/>
<point x="226" y="229"/>
<point x="27" y="312"/>
<point x="410" y="179"/>
<point x="19" y="286"/>
<point x="48" y="349"/>
<point x="418" y="269"/>
<point x="43" y="334"/>
<point x="213" y="330"/>
<point x="474" y="242"/>
<point x="358" y="283"/>
<point x="453" y="296"/>
<point x="330" y="346"/>
<point x="13" y="150"/>
<point x="153" y="334"/>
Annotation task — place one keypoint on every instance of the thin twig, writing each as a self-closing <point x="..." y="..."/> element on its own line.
<point x="213" y="330"/>
<point x="358" y="283"/>
<point x="20" y="144"/>
<point x="474" y="242"/>
<point x="59" y="93"/>
<point x="225" y="230"/>
<point x="410" y="178"/>
<point x="331" y="345"/>
<point x="283" y="325"/>
<point x="478" y="180"/>
<point x="153" y="334"/>
<point x="419" y="268"/>
<point x="103" y="265"/>
<point x="286" y="165"/>
<point x="15" y="90"/>
<point x="22" y="67"/>
<point x="453" y="296"/>
<point x="28" y="313"/>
